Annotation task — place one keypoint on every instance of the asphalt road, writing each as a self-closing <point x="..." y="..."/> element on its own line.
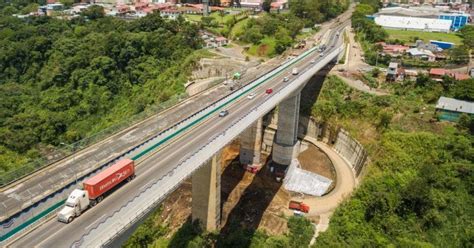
<point x="55" y="234"/>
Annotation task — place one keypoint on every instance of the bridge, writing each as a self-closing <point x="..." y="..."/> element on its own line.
<point x="166" y="159"/>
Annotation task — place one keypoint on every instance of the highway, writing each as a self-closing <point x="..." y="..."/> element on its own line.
<point x="157" y="164"/>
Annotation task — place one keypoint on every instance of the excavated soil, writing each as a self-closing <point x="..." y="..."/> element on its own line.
<point x="314" y="160"/>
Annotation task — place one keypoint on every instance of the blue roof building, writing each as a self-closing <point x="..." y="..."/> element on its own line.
<point x="459" y="19"/>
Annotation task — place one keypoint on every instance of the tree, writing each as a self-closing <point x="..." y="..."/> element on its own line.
<point x="467" y="122"/>
<point x="93" y="12"/>
<point x="459" y="55"/>
<point x="467" y="33"/>
<point x="301" y="231"/>
<point x="267" y="5"/>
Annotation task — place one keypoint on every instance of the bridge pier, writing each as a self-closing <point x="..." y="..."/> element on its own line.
<point x="251" y="144"/>
<point x="285" y="144"/>
<point x="206" y="194"/>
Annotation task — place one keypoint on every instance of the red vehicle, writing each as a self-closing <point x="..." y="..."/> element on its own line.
<point x="300" y="206"/>
<point x="269" y="91"/>
<point x="109" y="178"/>
<point x="95" y="188"/>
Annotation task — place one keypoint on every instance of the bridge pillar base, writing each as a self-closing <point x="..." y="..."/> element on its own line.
<point x="206" y="194"/>
<point x="251" y="144"/>
<point x="284" y="148"/>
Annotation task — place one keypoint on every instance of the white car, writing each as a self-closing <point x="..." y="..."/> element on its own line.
<point x="286" y="79"/>
<point x="223" y="113"/>
<point x="312" y="61"/>
<point x="294" y="71"/>
<point x="251" y="96"/>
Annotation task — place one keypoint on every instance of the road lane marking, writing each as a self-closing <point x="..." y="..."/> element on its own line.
<point x="93" y="223"/>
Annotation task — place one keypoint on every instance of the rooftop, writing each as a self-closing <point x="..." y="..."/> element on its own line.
<point x="455" y="105"/>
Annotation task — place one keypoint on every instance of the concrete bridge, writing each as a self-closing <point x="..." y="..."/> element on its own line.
<point x="189" y="148"/>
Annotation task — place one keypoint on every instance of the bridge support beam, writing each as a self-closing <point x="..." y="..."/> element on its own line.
<point x="284" y="147"/>
<point x="251" y="144"/>
<point x="206" y="194"/>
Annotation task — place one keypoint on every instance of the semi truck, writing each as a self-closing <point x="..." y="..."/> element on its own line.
<point x="300" y="206"/>
<point x="96" y="188"/>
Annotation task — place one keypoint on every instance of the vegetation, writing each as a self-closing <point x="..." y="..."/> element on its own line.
<point x="61" y="81"/>
<point x="368" y="33"/>
<point x="153" y="232"/>
<point x="408" y="36"/>
<point x="271" y="34"/>
<point x="417" y="191"/>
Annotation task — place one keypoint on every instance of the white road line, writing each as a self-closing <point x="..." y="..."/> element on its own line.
<point x="93" y="223"/>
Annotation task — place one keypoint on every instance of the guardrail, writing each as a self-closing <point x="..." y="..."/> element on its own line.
<point x="113" y="225"/>
<point x="226" y="99"/>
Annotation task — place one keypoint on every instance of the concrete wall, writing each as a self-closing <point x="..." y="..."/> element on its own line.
<point x="351" y="150"/>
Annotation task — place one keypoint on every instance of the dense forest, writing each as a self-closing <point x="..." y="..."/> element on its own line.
<point x="63" y="80"/>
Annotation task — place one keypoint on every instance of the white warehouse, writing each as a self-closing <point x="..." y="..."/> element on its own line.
<point x="413" y="23"/>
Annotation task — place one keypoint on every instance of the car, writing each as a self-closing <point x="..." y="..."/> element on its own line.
<point x="321" y="55"/>
<point x="269" y="91"/>
<point x="251" y="96"/>
<point x="312" y="61"/>
<point x="294" y="71"/>
<point x="286" y="79"/>
<point x="223" y="113"/>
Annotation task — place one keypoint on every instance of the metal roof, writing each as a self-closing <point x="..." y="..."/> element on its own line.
<point x="455" y="105"/>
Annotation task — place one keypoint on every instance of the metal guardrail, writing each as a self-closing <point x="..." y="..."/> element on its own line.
<point x="152" y="203"/>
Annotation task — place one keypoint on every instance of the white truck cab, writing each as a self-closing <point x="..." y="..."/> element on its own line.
<point x="76" y="203"/>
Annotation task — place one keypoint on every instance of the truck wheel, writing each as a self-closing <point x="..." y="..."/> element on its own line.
<point x="99" y="199"/>
<point x="69" y="220"/>
<point x="93" y="203"/>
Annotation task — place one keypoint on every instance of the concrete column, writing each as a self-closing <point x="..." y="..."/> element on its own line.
<point x="286" y="136"/>
<point x="206" y="194"/>
<point x="251" y="144"/>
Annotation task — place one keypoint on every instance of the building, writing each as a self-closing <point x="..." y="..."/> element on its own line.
<point x="394" y="72"/>
<point x="449" y="109"/>
<point x="393" y="50"/>
<point x="422" y="54"/>
<point x="413" y="23"/>
<point x="438" y="74"/>
<point x="442" y="44"/>
<point x="221" y="41"/>
<point x="255" y="4"/>
<point x="459" y="20"/>
<point x="458" y="17"/>
<point x="428" y="46"/>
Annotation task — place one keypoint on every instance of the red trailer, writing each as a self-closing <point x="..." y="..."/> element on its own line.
<point x="99" y="184"/>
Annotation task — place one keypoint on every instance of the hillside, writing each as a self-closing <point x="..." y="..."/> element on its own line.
<point x="61" y="81"/>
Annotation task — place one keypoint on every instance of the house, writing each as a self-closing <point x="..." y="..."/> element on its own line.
<point x="422" y="54"/>
<point x="449" y="109"/>
<point x="394" y="72"/>
<point x="221" y="41"/>
<point x="438" y="74"/>
<point x="170" y="13"/>
<point x="428" y="46"/>
<point x="393" y="50"/>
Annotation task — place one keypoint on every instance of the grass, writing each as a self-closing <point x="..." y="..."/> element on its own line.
<point x="266" y="48"/>
<point x="407" y="36"/>
<point x="238" y="28"/>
